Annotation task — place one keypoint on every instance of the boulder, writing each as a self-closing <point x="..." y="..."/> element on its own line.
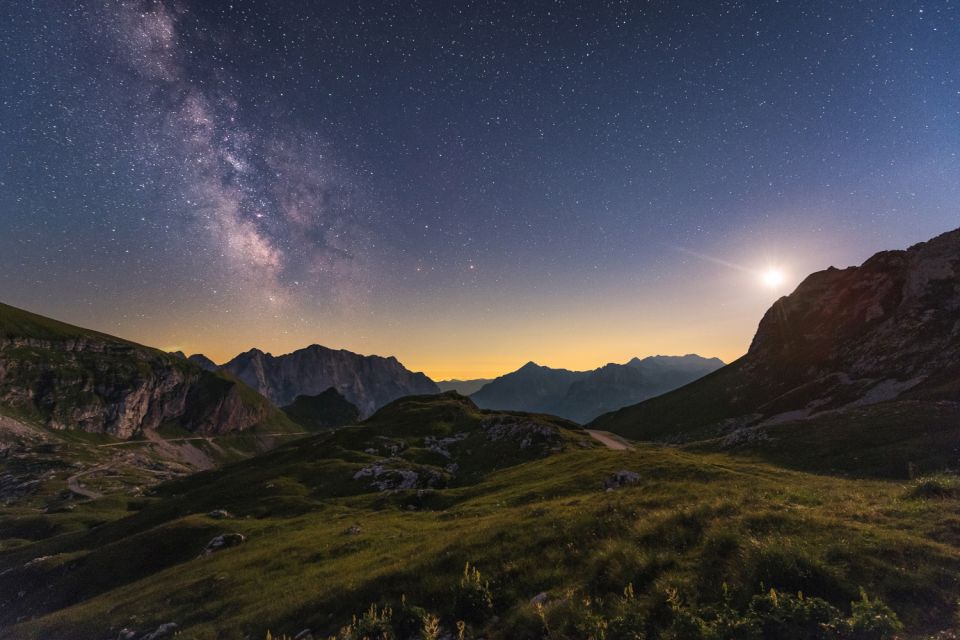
<point x="223" y="541"/>
<point x="621" y="478"/>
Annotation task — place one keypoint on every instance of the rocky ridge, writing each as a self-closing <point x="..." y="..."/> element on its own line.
<point x="70" y="378"/>
<point x="368" y="382"/>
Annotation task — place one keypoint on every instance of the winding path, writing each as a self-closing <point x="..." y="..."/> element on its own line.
<point x="610" y="440"/>
<point x="73" y="483"/>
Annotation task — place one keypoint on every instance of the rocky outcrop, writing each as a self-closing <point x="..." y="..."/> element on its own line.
<point x="71" y="378"/>
<point x="223" y="541"/>
<point x="369" y="382"/>
<point x="844" y="338"/>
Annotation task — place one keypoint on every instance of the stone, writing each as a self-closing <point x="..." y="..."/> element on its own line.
<point x="165" y="630"/>
<point x="621" y="478"/>
<point x="223" y="541"/>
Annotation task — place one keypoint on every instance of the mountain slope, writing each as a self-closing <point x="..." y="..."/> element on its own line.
<point x="887" y="329"/>
<point x="377" y="514"/>
<point x="73" y="378"/>
<point x="583" y="395"/>
<point x="369" y="382"/>
<point x="203" y="362"/>
<point x="463" y="387"/>
<point x="616" y="385"/>
<point x="323" y="411"/>
<point x="529" y="388"/>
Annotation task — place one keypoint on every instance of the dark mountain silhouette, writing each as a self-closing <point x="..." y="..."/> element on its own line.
<point x="583" y="395"/>
<point x="463" y="387"/>
<point x="323" y="411"/>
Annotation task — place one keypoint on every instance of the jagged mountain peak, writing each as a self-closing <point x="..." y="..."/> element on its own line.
<point x="368" y="382"/>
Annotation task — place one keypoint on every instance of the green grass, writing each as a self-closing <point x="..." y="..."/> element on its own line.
<point x="18" y="323"/>
<point x="890" y="440"/>
<point x="696" y="521"/>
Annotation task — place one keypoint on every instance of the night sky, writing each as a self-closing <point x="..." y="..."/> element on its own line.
<point x="465" y="185"/>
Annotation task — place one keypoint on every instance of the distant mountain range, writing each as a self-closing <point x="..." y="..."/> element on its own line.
<point x="583" y="395"/>
<point x="825" y="357"/>
<point x="463" y="387"/>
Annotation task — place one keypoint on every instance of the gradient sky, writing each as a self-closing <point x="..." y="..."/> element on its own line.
<point x="465" y="185"/>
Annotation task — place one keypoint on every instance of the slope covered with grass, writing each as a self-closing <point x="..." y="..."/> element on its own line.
<point x="556" y="539"/>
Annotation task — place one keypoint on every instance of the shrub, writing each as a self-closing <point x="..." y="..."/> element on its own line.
<point x="373" y="624"/>
<point x="409" y="621"/>
<point x="935" y="488"/>
<point x="474" y="600"/>
<point x="872" y="619"/>
<point x="782" y="615"/>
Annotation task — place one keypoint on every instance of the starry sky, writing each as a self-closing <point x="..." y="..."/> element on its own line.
<point x="465" y="185"/>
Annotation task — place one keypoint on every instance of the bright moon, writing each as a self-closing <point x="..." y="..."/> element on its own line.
<point x="773" y="278"/>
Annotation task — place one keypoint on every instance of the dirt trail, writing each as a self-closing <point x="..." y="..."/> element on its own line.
<point x="610" y="440"/>
<point x="189" y="439"/>
<point x="73" y="483"/>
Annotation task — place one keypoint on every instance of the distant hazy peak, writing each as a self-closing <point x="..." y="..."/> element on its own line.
<point x="203" y="362"/>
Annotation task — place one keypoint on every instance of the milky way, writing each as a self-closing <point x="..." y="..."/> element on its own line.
<point x="467" y="185"/>
<point x="276" y="211"/>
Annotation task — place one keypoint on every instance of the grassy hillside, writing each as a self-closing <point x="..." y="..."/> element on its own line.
<point x="323" y="411"/>
<point x="696" y="539"/>
<point x="889" y="440"/>
<point x="18" y="323"/>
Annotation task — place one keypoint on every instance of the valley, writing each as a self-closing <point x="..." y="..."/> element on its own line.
<point x="806" y="490"/>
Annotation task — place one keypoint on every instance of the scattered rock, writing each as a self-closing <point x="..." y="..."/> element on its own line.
<point x="353" y="530"/>
<point x="165" y="630"/>
<point x="36" y="561"/>
<point x="527" y="432"/>
<point x="60" y="508"/>
<point x="540" y="598"/>
<point x="621" y="478"/>
<point x="219" y="514"/>
<point x="223" y="541"/>
<point x="392" y="478"/>
<point x="126" y="634"/>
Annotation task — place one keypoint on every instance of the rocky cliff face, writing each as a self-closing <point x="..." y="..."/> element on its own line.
<point x="71" y="378"/>
<point x="887" y="329"/>
<point x="369" y="382"/>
